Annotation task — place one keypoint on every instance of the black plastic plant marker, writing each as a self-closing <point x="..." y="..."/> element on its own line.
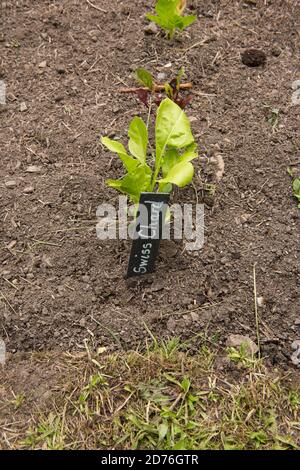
<point x="147" y="233"/>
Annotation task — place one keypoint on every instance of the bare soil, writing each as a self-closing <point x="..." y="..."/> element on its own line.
<point x="61" y="285"/>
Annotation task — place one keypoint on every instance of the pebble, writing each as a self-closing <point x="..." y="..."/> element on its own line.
<point x="171" y="324"/>
<point x="10" y="183"/>
<point x="276" y="51"/>
<point x="60" y="69"/>
<point x="161" y="76"/>
<point x="33" y="169"/>
<point x="260" y="301"/>
<point x="12" y="244"/>
<point x="43" y="64"/>
<point x="194" y="316"/>
<point x="28" y="190"/>
<point x="23" y="107"/>
<point x="296" y="85"/>
<point x="295" y="357"/>
<point x="2" y="352"/>
<point x="235" y="341"/>
<point x="242" y="219"/>
<point x="296" y="94"/>
<point x="151" y="28"/>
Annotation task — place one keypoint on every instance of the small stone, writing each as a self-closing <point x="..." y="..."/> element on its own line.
<point x="10" y="184"/>
<point x="236" y="341"/>
<point x="171" y="324"/>
<point x="23" y="107"/>
<point x="276" y="51"/>
<point x="236" y="255"/>
<point x="46" y="261"/>
<point x="254" y="58"/>
<point x="60" y="69"/>
<point x="12" y="244"/>
<point x="242" y="219"/>
<point x="260" y="301"/>
<point x="295" y="357"/>
<point x="33" y="169"/>
<point x="43" y="64"/>
<point x="151" y="28"/>
<point x="82" y="322"/>
<point x="58" y="98"/>
<point x="194" y="316"/>
<point x="296" y="85"/>
<point x="2" y="352"/>
<point x="28" y="190"/>
<point x="161" y="76"/>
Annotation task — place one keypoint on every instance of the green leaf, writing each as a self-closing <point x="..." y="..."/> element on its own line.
<point x="165" y="188"/>
<point x="181" y="445"/>
<point x="169" y="90"/>
<point x="166" y="8"/>
<point x="133" y="183"/>
<point x="163" y="430"/>
<point x="185" y="384"/>
<point x="181" y="174"/>
<point x="188" y="156"/>
<point x="158" y="20"/>
<point x="129" y="162"/>
<point x="180" y="74"/>
<point x="138" y="139"/>
<point x="169" y="17"/>
<point x="296" y="186"/>
<point x="185" y="21"/>
<point x="172" y="128"/>
<point x="145" y="78"/>
<point x="171" y="158"/>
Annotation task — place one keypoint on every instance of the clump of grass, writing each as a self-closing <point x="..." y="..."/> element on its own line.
<point x="167" y="397"/>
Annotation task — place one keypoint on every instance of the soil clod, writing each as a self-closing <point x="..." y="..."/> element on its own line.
<point x="254" y="58"/>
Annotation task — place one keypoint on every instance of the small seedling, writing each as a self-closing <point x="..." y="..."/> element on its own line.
<point x="295" y="186"/>
<point x="242" y="356"/>
<point x="171" y="162"/>
<point x="296" y="189"/>
<point x="172" y="89"/>
<point x="169" y="16"/>
<point x="273" y="117"/>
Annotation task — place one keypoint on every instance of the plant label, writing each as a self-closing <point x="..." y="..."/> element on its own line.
<point x="147" y="233"/>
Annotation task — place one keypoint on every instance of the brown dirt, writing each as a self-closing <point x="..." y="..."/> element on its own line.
<point x="60" y="284"/>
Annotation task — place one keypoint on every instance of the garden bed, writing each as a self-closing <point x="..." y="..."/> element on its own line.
<point x="63" y="64"/>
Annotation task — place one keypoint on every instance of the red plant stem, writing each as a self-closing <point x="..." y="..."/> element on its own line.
<point x="157" y="88"/>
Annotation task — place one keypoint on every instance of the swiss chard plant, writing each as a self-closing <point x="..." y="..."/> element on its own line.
<point x="169" y="164"/>
<point x="169" y="16"/>
<point x="170" y="89"/>
<point x="295" y="186"/>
